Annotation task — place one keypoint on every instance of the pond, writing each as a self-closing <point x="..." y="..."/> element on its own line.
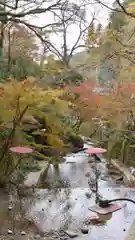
<point x="68" y="208"/>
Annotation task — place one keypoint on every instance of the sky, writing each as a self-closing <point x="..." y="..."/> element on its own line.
<point x="102" y="14"/>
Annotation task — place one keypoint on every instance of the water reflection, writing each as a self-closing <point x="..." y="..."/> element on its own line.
<point x="68" y="207"/>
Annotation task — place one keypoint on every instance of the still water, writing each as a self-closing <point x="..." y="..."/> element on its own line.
<point x="68" y="208"/>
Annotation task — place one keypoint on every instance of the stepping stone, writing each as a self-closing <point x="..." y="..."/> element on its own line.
<point x="95" y="220"/>
<point x="71" y="234"/>
<point x="112" y="208"/>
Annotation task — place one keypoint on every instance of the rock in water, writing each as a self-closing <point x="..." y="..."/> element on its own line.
<point x="9" y="208"/>
<point x="23" y="233"/>
<point x="10" y="231"/>
<point x="71" y="234"/>
<point x="62" y="235"/>
<point x="88" y="195"/>
<point x="37" y="236"/>
<point x="119" y="179"/>
<point x="85" y="230"/>
<point x="87" y="174"/>
<point x="95" y="220"/>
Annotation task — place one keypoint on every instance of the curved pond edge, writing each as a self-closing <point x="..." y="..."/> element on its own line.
<point x="128" y="177"/>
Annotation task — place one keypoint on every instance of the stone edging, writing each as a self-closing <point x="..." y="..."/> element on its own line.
<point x="128" y="177"/>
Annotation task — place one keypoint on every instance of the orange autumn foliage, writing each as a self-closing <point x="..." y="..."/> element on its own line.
<point x="113" y="106"/>
<point x="87" y="101"/>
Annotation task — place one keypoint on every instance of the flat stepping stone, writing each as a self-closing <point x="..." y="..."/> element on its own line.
<point x="71" y="234"/>
<point x="112" y="208"/>
<point x="95" y="220"/>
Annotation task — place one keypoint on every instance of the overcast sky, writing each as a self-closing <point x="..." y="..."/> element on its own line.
<point x="102" y="14"/>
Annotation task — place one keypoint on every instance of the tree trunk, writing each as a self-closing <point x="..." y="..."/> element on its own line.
<point x="1" y="38"/>
<point x="9" y="48"/>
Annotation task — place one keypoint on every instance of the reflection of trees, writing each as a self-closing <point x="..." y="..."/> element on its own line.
<point x="93" y="180"/>
<point x="63" y="199"/>
<point x="52" y="178"/>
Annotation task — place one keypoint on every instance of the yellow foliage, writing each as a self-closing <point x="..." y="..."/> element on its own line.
<point x="49" y="105"/>
<point x="28" y="94"/>
<point x="53" y="140"/>
<point x="92" y="36"/>
<point x="54" y="66"/>
<point x="112" y="35"/>
<point x="131" y="7"/>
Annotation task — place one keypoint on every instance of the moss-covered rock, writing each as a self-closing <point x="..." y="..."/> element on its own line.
<point x="76" y="141"/>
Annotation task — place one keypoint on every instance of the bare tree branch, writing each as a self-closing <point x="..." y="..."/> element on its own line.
<point x="119" y="54"/>
<point x="70" y="15"/>
<point x="66" y="12"/>
<point x="124" y="45"/>
<point x="108" y="7"/>
<point x="43" y="39"/>
<point x="17" y="20"/>
<point x="121" y="10"/>
<point x="14" y="7"/>
<point x="79" y="36"/>
<point x="34" y="11"/>
<point x="124" y="9"/>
